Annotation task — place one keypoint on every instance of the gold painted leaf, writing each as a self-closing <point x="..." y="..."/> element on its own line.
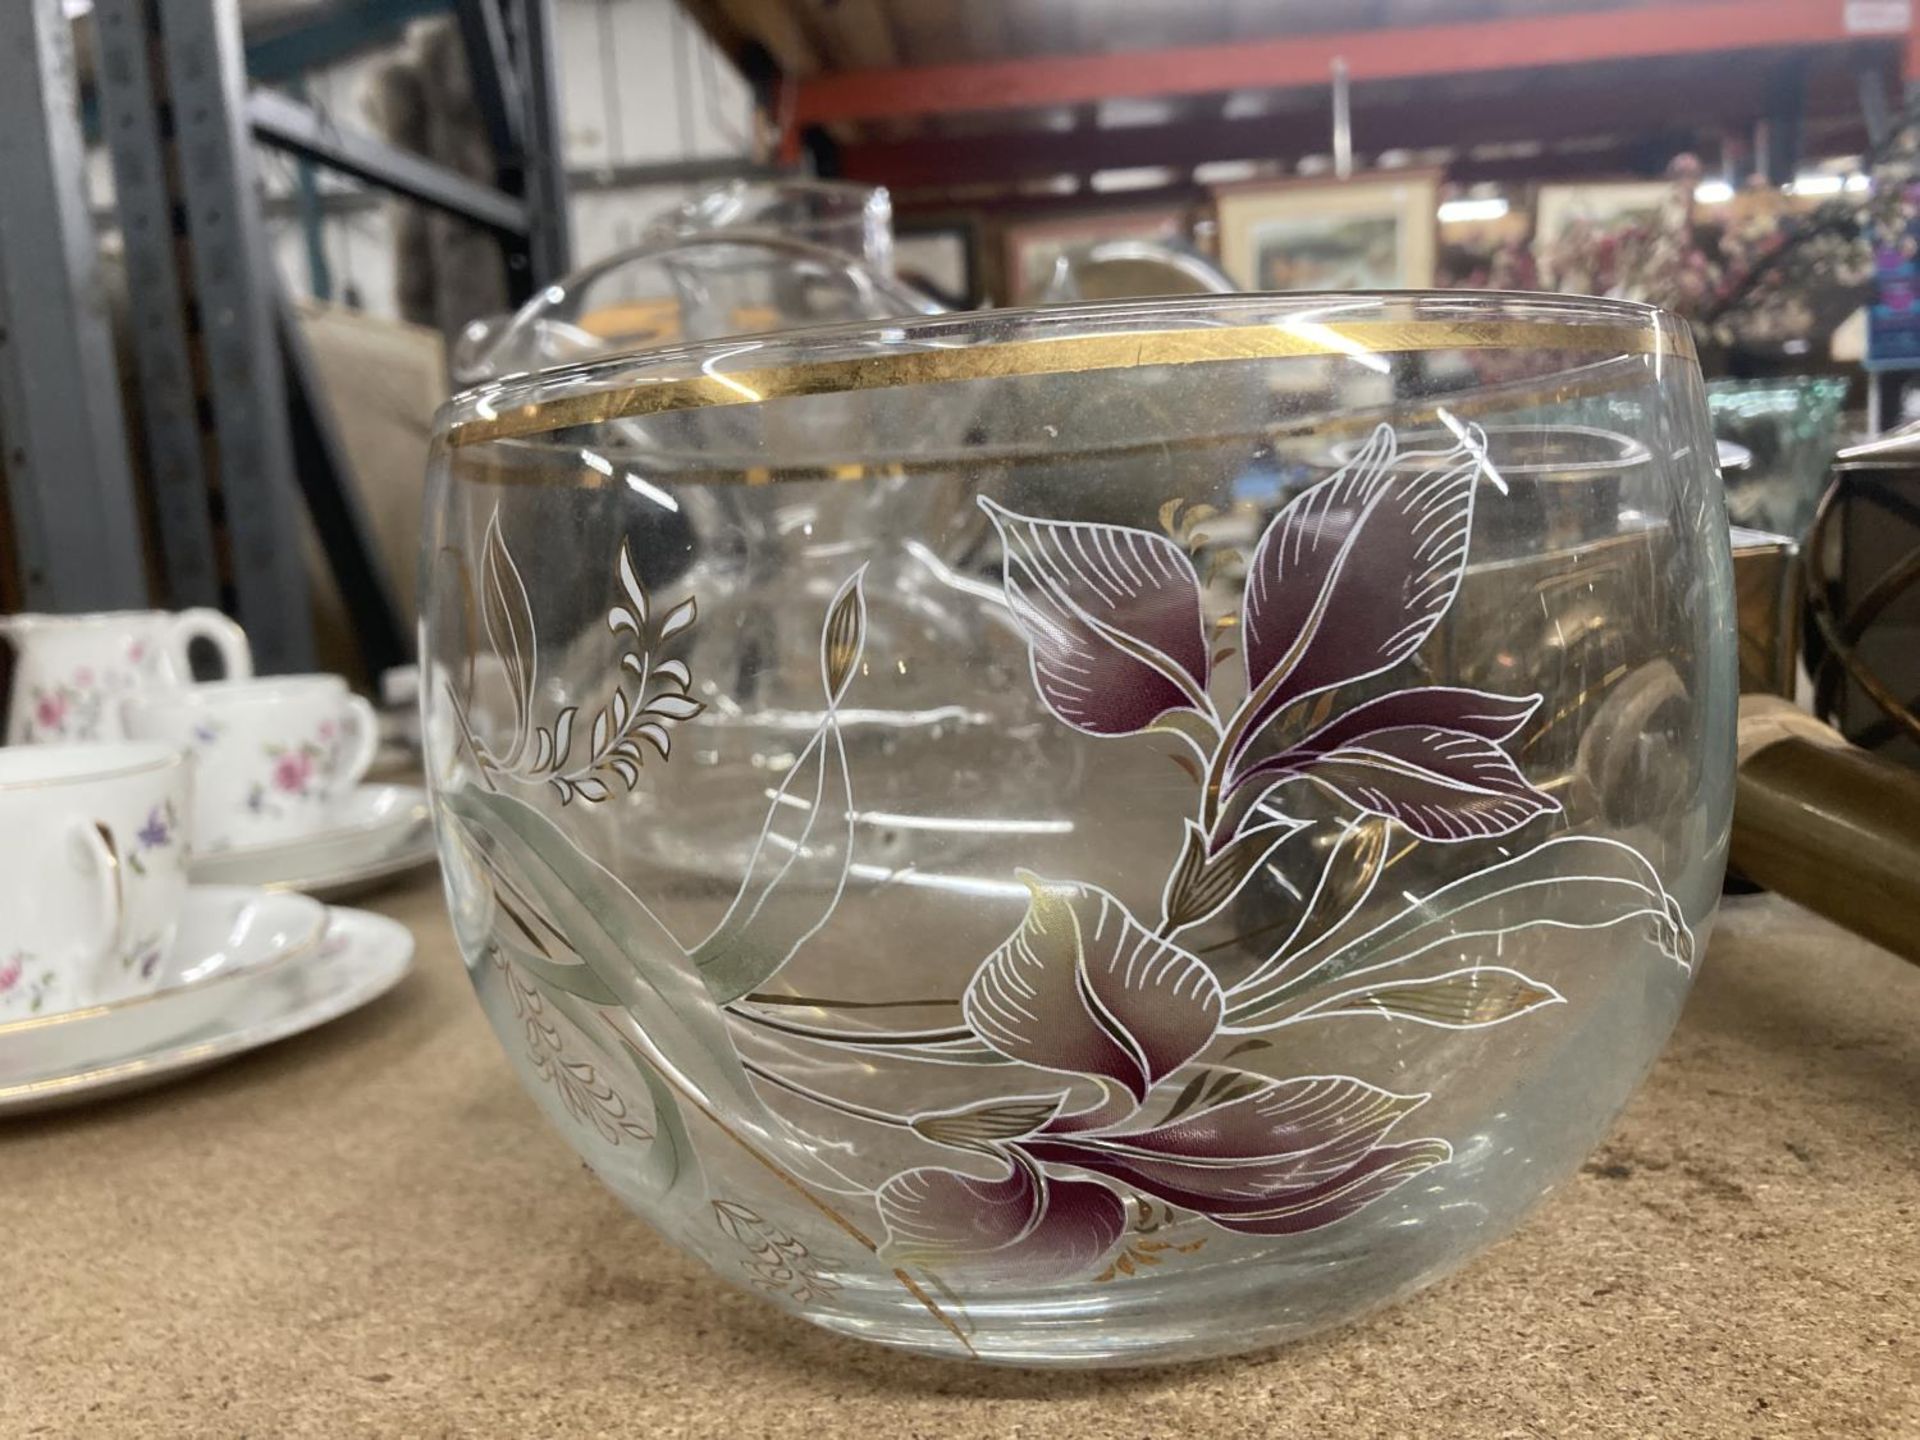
<point x="1468" y="999"/>
<point x="1202" y="884"/>
<point x="979" y="1127"/>
<point x="844" y="635"/>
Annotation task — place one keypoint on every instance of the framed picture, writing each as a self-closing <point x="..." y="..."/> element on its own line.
<point x="1033" y="245"/>
<point x="1603" y="206"/>
<point x="1372" y="232"/>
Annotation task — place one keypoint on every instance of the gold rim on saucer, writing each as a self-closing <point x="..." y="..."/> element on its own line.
<point x="409" y="812"/>
<point x="180" y="1059"/>
<point x="133" y="1002"/>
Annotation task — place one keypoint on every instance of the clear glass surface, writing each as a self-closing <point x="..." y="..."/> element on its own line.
<point x="1098" y="835"/>
<point x="856" y="220"/>
<point x="680" y="288"/>
<point x="1130" y="269"/>
<point x="1788" y="430"/>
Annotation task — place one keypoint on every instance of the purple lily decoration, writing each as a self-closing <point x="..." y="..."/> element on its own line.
<point x="1348" y="581"/>
<point x="1084" y="989"/>
<point x="1106" y="1091"/>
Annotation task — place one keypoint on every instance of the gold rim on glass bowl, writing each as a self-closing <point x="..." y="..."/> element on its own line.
<point x="1297" y="331"/>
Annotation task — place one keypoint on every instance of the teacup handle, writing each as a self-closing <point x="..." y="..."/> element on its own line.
<point x="110" y="883"/>
<point x="363" y="722"/>
<point x="228" y="638"/>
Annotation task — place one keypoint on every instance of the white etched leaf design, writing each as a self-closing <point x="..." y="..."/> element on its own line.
<point x="799" y="864"/>
<point x="1471" y="998"/>
<point x="507" y="616"/>
<point x="1572" y="882"/>
<point x="632" y="617"/>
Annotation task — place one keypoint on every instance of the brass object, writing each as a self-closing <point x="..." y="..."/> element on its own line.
<point x="1069" y="355"/>
<point x="1828" y="825"/>
<point x="1766" y="595"/>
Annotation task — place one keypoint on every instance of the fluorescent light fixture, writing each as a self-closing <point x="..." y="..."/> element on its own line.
<point x="1456" y="211"/>
<point x="1125" y="114"/>
<point x="1133" y="177"/>
<point x="1712" y="192"/>
<point x="1225" y="172"/>
<point x="1816" y="185"/>
<point x="1857" y="184"/>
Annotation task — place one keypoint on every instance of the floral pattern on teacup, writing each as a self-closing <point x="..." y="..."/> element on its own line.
<point x="159" y="834"/>
<point x="74" y="708"/>
<point x="24" y="984"/>
<point x="298" y="774"/>
<point x="68" y="710"/>
<point x="144" y="956"/>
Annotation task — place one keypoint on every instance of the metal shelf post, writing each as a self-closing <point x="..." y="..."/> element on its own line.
<point x="234" y="286"/>
<point x="77" y="533"/>
<point x="176" y="457"/>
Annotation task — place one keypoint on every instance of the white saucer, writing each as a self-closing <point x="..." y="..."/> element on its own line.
<point x="376" y="833"/>
<point x="244" y="982"/>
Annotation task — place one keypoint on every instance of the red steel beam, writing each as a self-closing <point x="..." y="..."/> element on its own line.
<point x="1306" y="60"/>
<point x="1728" y="96"/>
<point x="1611" y="162"/>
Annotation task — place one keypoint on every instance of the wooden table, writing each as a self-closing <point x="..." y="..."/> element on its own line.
<point x="369" y="1230"/>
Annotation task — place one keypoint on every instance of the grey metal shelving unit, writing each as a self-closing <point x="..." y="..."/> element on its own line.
<point x="62" y="435"/>
<point x="234" y="427"/>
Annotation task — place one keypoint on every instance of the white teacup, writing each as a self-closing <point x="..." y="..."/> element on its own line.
<point x="71" y="672"/>
<point x="93" y="871"/>
<point x="272" y="755"/>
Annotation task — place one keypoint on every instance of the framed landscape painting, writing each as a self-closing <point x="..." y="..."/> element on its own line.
<point x="1373" y="232"/>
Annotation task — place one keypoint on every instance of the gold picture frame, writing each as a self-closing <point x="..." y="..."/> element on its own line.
<point x="1604" y="205"/>
<point x="1376" y="231"/>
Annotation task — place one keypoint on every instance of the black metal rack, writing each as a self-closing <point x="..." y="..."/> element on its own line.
<point x="232" y="420"/>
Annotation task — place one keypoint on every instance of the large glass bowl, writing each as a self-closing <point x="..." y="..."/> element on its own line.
<point x="1105" y="834"/>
